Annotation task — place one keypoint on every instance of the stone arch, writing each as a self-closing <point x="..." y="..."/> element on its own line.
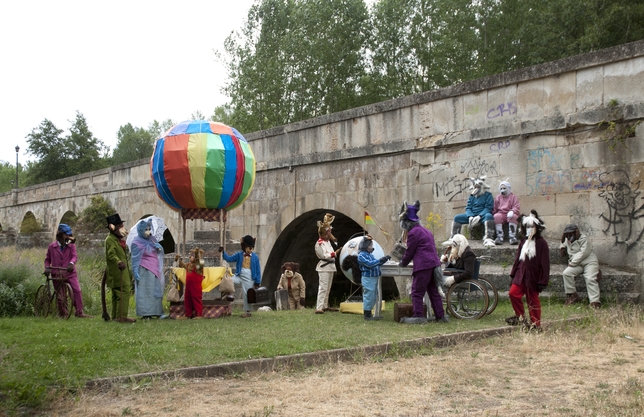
<point x="295" y="243"/>
<point x="30" y="223"/>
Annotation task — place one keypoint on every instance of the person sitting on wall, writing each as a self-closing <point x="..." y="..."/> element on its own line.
<point x="506" y="210"/>
<point x="480" y="205"/>
<point x="459" y="258"/>
<point x="581" y="259"/>
<point x="292" y="281"/>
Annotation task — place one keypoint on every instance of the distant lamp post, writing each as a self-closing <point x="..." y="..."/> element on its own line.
<point x="17" y="150"/>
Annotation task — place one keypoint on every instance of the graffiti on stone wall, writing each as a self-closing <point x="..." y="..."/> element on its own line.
<point x="500" y="146"/>
<point x="625" y="208"/>
<point x="546" y="183"/>
<point x="455" y="185"/>
<point x="477" y="167"/>
<point x="452" y="187"/>
<point x="542" y="159"/>
<point x="585" y="180"/>
<point x="503" y="109"/>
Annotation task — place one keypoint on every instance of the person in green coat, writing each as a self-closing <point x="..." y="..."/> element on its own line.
<point x="119" y="273"/>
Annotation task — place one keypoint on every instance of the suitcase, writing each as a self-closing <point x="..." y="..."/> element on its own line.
<point x="281" y="300"/>
<point x="406" y="310"/>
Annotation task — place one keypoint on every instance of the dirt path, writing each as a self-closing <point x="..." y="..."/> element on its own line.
<point x="597" y="369"/>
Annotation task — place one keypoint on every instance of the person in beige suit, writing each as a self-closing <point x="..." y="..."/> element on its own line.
<point x="292" y="281"/>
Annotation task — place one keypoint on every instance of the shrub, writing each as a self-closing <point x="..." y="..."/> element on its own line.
<point x="92" y="219"/>
<point x="17" y="289"/>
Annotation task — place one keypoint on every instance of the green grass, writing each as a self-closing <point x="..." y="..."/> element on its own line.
<point x="44" y="358"/>
<point x="41" y="357"/>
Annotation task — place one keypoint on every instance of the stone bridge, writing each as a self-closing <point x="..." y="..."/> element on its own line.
<point x="548" y="128"/>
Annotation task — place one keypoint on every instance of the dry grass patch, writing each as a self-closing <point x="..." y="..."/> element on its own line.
<point x="592" y="368"/>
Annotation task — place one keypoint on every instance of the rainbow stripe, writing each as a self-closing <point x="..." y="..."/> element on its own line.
<point x="202" y="164"/>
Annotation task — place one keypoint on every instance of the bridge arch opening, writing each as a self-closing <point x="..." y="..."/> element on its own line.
<point x="296" y="244"/>
<point x="29" y="224"/>
<point x="69" y="218"/>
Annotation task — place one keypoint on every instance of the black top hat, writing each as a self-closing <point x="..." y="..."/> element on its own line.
<point x="248" y="241"/>
<point x="114" y="219"/>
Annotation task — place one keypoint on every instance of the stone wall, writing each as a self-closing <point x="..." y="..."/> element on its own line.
<point x="539" y="127"/>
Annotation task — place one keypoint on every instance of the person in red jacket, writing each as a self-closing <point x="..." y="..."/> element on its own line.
<point x="530" y="273"/>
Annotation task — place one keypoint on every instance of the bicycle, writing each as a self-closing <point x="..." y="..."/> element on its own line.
<point x="63" y="295"/>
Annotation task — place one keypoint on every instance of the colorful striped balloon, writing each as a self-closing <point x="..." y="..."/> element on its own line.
<point x="202" y="164"/>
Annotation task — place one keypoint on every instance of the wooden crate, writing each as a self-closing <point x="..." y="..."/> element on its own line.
<point x="406" y="310"/>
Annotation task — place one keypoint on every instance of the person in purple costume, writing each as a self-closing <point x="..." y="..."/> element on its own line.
<point x="422" y="250"/>
<point x="147" y="268"/>
<point x="62" y="254"/>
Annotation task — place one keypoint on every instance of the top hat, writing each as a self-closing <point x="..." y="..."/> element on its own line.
<point x="248" y="241"/>
<point x="114" y="219"/>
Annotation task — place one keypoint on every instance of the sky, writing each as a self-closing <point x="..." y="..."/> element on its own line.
<point x="116" y="62"/>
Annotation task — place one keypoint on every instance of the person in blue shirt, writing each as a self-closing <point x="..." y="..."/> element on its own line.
<point x="370" y="273"/>
<point x="247" y="269"/>
<point x="480" y="206"/>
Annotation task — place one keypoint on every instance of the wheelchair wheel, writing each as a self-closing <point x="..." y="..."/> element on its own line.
<point x="42" y="303"/>
<point x="467" y="300"/>
<point x="493" y="294"/>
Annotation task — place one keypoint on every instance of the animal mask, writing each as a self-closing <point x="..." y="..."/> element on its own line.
<point x="478" y="185"/>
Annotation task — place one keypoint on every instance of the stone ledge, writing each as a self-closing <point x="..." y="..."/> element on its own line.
<point x="311" y="359"/>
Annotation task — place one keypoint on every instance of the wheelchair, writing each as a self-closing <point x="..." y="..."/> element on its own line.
<point x="472" y="298"/>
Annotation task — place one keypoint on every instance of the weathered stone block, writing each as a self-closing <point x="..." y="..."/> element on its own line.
<point x="590" y="92"/>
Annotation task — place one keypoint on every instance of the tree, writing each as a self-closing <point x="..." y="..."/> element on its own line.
<point x="92" y="218"/>
<point x="7" y="176"/>
<point x="157" y="129"/>
<point x="133" y="143"/>
<point x="60" y="157"/>
<point x="47" y="145"/>
<point x="82" y="149"/>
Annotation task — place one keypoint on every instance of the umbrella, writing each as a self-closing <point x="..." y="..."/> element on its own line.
<point x="201" y="164"/>
<point x="158" y="227"/>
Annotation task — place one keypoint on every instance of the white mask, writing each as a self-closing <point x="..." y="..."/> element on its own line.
<point x="123" y="232"/>
<point x="147" y="233"/>
<point x="504" y="191"/>
<point x="288" y="273"/>
<point x="529" y="231"/>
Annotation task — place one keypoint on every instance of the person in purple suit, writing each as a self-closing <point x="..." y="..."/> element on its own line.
<point x="62" y="254"/>
<point x="422" y="251"/>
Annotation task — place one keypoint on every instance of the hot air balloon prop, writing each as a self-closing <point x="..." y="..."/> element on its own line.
<point x="202" y="169"/>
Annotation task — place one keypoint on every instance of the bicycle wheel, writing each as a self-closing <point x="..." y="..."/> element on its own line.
<point x="467" y="300"/>
<point x="65" y="300"/>
<point x="42" y="303"/>
<point x="492" y="293"/>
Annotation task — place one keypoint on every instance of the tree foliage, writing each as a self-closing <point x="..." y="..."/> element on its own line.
<point x="296" y="59"/>
<point x="92" y="218"/>
<point x="133" y="143"/>
<point x="61" y="156"/>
